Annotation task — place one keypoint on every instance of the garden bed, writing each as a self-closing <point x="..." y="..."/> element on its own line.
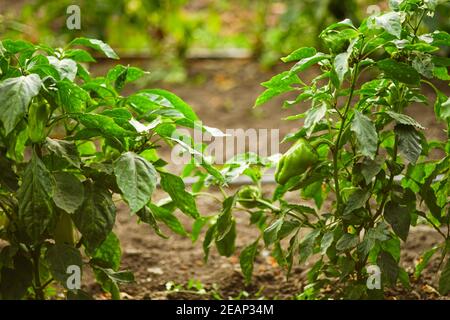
<point x="157" y="263"/>
<point x="223" y="92"/>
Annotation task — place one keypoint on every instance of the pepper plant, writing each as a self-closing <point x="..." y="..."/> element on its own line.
<point x="361" y="160"/>
<point x="70" y="144"/>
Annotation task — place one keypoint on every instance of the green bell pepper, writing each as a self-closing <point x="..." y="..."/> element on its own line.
<point x="295" y="161"/>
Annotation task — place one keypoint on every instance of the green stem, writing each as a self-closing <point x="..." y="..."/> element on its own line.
<point x="38" y="289"/>
<point x="361" y="263"/>
<point x="267" y="204"/>
<point x="388" y="187"/>
<point x="435" y="227"/>
<point x="205" y="194"/>
<point x="339" y="137"/>
<point x="46" y="283"/>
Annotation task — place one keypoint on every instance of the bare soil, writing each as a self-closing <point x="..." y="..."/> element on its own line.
<point x="156" y="262"/>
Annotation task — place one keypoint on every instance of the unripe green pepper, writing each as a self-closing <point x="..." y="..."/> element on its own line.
<point x="295" y="161"/>
<point x="37" y="121"/>
<point x="249" y="193"/>
<point x="64" y="232"/>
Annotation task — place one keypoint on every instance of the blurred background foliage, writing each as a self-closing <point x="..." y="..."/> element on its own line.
<point x="169" y="31"/>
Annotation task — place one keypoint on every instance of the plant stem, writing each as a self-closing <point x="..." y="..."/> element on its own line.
<point x="339" y="137"/>
<point x="388" y="187"/>
<point x="46" y="283"/>
<point x="268" y="204"/>
<point x="435" y="227"/>
<point x="205" y="194"/>
<point x="38" y="289"/>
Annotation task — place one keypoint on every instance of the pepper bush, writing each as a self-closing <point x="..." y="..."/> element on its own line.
<point x="358" y="156"/>
<point x="68" y="142"/>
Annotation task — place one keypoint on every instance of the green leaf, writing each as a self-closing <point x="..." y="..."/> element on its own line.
<point x="444" y="280"/>
<point x="35" y="198"/>
<point x="109" y="279"/>
<point x="271" y="232"/>
<point x="67" y="68"/>
<point x="278" y="254"/>
<point x="356" y="200"/>
<point x="313" y="116"/>
<point x="60" y="257"/>
<point x="299" y="54"/>
<point x="399" y="71"/>
<point x="441" y="73"/>
<point x="64" y="149"/>
<point x="148" y="217"/>
<point x="175" y="187"/>
<point x="96" y="45"/>
<point x="277" y="85"/>
<point x="399" y="218"/>
<point x="424" y="65"/>
<point x="423" y="261"/>
<point x="440" y="38"/>
<point x="121" y="75"/>
<point x="15" y="96"/>
<point x="16" y="46"/>
<point x="246" y="260"/>
<point x="109" y="254"/>
<point x="404" y="119"/>
<point x="306" y="247"/>
<point x="39" y="64"/>
<point x="366" y="134"/>
<point x="223" y="224"/>
<point x="226" y="245"/>
<point x="69" y="191"/>
<point x="168" y="218"/>
<point x="197" y="227"/>
<point x="428" y="195"/>
<point x="305" y="63"/>
<point x="365" y="246"/>
<point x="104" y="125"/>
<point x="269" y="94"/>
<point x="336" y="25"/>
<point x="347" y="241"/>
<point x="409" y="142"/>
<point x="209" y="237"/>
<point x="391" y="22"/>
<point x="95" y="218"/>
<point x="341" y="65"/>
<point x="71" y="97"/>
<point x="314" y="191"/>
<point x="326" y="242"/>
<point x="395" y="4"/>
<point x="79" y="55"/>
<point x="370" y="169"/>
<point x="121" y="116"/>
<point x="167" y="99"/>
<point x="120" y="276"/>
<point x="136" y="178"/>
<point x="389" y="267"/>
<point x="403" y="277"/>
<point x="287" y="228"/>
